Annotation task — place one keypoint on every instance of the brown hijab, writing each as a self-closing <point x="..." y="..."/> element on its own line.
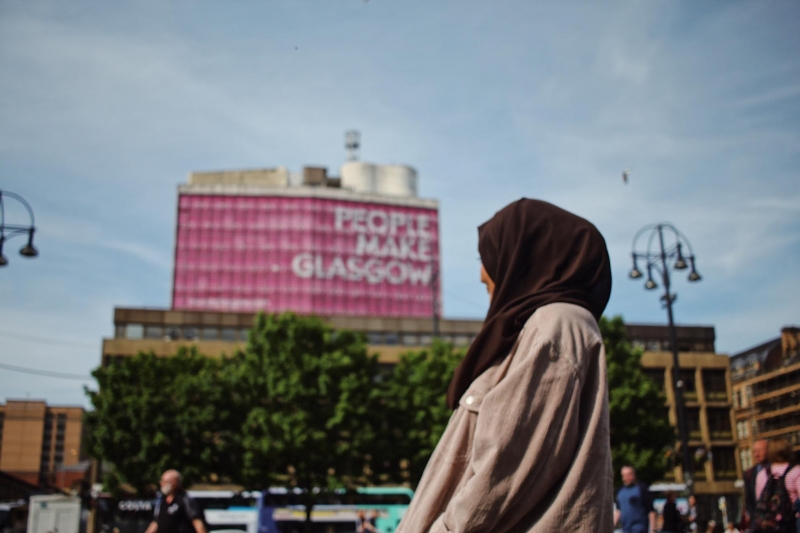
<point x="536" y="254"/>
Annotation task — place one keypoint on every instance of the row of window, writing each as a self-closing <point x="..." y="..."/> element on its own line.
<point x="660" y="345"/>
<point x="721" y="458"/>
<point x="718" y="420"/>
<point x="715" y="383"/>
<point x="47" y="440"/>
<point x="744" y="397"/>
<point x="139" y="331"/>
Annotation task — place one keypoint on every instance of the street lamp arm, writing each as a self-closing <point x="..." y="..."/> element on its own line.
<point x="21" y="200"/>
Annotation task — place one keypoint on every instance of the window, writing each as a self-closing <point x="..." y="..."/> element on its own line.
<point x="719" y="423"/>
<point x="228" y="334"/>
<point x="190" y="333"/>
<point x="410" y="339"/>
<point x="689" y="386"/>
<point x="209" y="334"/>
<point x="134" y="331"/>
<point x="741" y="429"/>
<point x="425" y="340"/>
<point x="173" y="333"/>
<point x="461" y="340"/>
<point x="153" y="332"/>
<point x="724" y="462"/>
<point x="119" y="332"/>
<point x="243" y="335"/>
<point x="391" y="339"/>
<point x="654" y="346"/>
<point x="715" y="385"/>
<point x="745" y="458"/>
<point x="374" y="337"/>
<point x="693" y="423"/>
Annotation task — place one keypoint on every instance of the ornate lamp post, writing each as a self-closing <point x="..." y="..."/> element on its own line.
<point x="666" y="256"/>
<point x="8" y="231"/>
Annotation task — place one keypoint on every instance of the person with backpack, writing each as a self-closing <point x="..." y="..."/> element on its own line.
<point x="777" y="489"/>
<point x="175" y="511"/>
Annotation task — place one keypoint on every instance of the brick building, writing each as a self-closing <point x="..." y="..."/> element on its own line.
<point x="42" y="444"/>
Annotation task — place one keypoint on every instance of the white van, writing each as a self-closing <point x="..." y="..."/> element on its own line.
<point x="54" y="514"/>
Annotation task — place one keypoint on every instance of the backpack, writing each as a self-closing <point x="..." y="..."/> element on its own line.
<point x="774" y="509"/>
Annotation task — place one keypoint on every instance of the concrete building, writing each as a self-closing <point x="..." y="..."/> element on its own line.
<point x="708" y="398"/>
<point x="42" y="444"/>
<point x="766" y="392"/>
<point x="163" y="331"/>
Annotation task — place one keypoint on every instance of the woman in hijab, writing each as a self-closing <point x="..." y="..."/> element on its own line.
<point x="527" y="447"/>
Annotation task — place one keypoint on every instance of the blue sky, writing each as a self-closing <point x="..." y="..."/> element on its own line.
<point x="106" y="107"/>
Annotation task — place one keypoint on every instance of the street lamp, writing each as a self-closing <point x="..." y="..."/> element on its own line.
<point x="435" y="300"/>
<point x="8" y="231"/>
<point x="661" y="261"/>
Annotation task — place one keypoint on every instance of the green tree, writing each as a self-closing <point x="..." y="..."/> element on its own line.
<point x="154" y="413"/>
<point x="641" y="435"/>
<point x="303" y="391"/>
<point x="413" y="411"/>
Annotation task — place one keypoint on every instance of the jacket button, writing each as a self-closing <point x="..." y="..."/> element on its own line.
<point x="469" y="400"/>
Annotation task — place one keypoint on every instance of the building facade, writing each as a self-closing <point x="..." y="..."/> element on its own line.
<point x="163" y="331"/>
<point x="766" y="393"/>
<point x="708" y="403"/>
<point x="360" y="245"/>
<point x="42" y="444"/>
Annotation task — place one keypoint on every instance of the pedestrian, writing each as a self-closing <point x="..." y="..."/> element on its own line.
<point x="731" y="528"/>
<point x="672" y="521"/>
<point x="365" y="524"/>
<point x="175" y="511"/>
<point x="711" y="527"/>
<point x="797" y="514"/>
<point x="777" y="489"/>
<point x="692" y="516"/>
<point x="635" y="512"/>
<point x="527" y="447"/>
<point x="759" y="453"/>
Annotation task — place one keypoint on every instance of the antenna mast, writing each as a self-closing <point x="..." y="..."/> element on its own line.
<point x="352" y="140"/>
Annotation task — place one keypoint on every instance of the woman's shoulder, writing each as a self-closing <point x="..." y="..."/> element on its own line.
<point x="563" y="320"/>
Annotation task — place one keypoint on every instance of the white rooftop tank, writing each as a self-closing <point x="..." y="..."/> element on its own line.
<point x="387" y="180"/>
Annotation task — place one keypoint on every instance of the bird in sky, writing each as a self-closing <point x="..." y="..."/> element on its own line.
<point x="625" y="174"/>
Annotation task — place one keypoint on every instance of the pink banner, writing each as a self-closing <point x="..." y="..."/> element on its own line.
<point x="308" y="255"/>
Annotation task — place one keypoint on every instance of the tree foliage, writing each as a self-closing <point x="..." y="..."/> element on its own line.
<point x="640" y="431"/>
<point x="303" y="391"/>
<point x="304" y="405"/>
<point x="412" y="411"/>
<point x="153" y="413"/>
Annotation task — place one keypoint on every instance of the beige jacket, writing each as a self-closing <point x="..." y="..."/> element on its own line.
<point x="528" y="448"/>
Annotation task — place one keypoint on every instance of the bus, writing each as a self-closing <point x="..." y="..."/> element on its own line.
<point x="280" y="510"/>
<point x="224" y="511"/>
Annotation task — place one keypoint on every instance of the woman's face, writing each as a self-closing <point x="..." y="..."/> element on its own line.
<point x="486" y="280"/>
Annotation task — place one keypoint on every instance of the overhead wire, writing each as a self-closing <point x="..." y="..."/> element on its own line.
<point x="46" y="373"/>
<point x="44" y="340"/>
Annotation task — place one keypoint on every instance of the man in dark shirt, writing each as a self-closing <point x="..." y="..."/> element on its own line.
<point x="634" y="505"/>
<point x="176" y="511"/>
<point x="759" y="451"/>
